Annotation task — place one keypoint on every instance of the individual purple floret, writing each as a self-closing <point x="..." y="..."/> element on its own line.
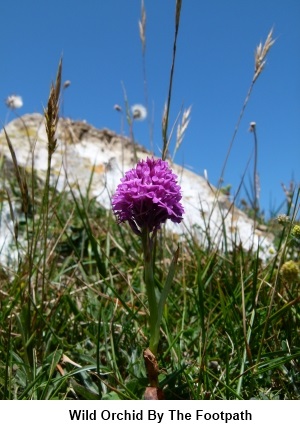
<point x="147" y="196"/>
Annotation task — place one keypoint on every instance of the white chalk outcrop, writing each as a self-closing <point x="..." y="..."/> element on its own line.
<point x="84" y="152"/>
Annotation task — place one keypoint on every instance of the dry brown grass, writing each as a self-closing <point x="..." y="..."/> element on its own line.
<point x="52" y="111"/>
<point x="261" y="53"/>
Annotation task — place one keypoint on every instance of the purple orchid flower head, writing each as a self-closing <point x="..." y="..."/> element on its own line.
<point x="147" y="196"/>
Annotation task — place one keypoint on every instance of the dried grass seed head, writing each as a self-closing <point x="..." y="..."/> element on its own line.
<point x="52" y="111"/>
<point x="142" y="27"/>
<point x="261" y="54"/>
<point x="181" y="128"/>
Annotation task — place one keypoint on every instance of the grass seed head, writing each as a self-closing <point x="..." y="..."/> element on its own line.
<point x="261" y="53"/>
<point x="142" y="27"/>
<point x="52" y="111"/>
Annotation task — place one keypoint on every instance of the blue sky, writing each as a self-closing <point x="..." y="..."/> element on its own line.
<point x="99" y="40"/>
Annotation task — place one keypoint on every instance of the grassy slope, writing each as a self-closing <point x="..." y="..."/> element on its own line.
<point x="76" y="326"/>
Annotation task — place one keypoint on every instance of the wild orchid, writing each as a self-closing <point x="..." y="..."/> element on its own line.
<point x="147" y="197"/>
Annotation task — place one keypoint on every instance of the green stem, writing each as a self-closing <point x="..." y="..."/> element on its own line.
<point x="150" y="289"/>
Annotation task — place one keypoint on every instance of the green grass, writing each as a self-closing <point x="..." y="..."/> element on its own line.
<point x="76" y="327"/>
<point x="73" y="311"/>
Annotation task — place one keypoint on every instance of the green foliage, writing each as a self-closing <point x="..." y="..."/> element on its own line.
<point x="230" y="325"/>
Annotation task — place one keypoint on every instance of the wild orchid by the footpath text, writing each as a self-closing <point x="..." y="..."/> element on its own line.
<point x="147" y="197"/>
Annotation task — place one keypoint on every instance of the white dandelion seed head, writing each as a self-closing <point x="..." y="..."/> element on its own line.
<point x="117" y="108"/>
<point x="139" y="112"/>
<point x="252" y="126"/>
<point x="66" y="84"/>
<point x="14" y="102"/>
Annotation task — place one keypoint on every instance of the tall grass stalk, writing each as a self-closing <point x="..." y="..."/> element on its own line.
<point x="51" y="118"/>
<point x="165" y="121"/>
<point x="260" y="59"/>
<point x="142" y="33"/>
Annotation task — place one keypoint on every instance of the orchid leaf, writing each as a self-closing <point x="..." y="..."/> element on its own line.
<point x="166" y="288"/>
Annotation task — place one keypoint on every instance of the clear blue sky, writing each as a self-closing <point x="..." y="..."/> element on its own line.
<point x="101" y="49"/>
